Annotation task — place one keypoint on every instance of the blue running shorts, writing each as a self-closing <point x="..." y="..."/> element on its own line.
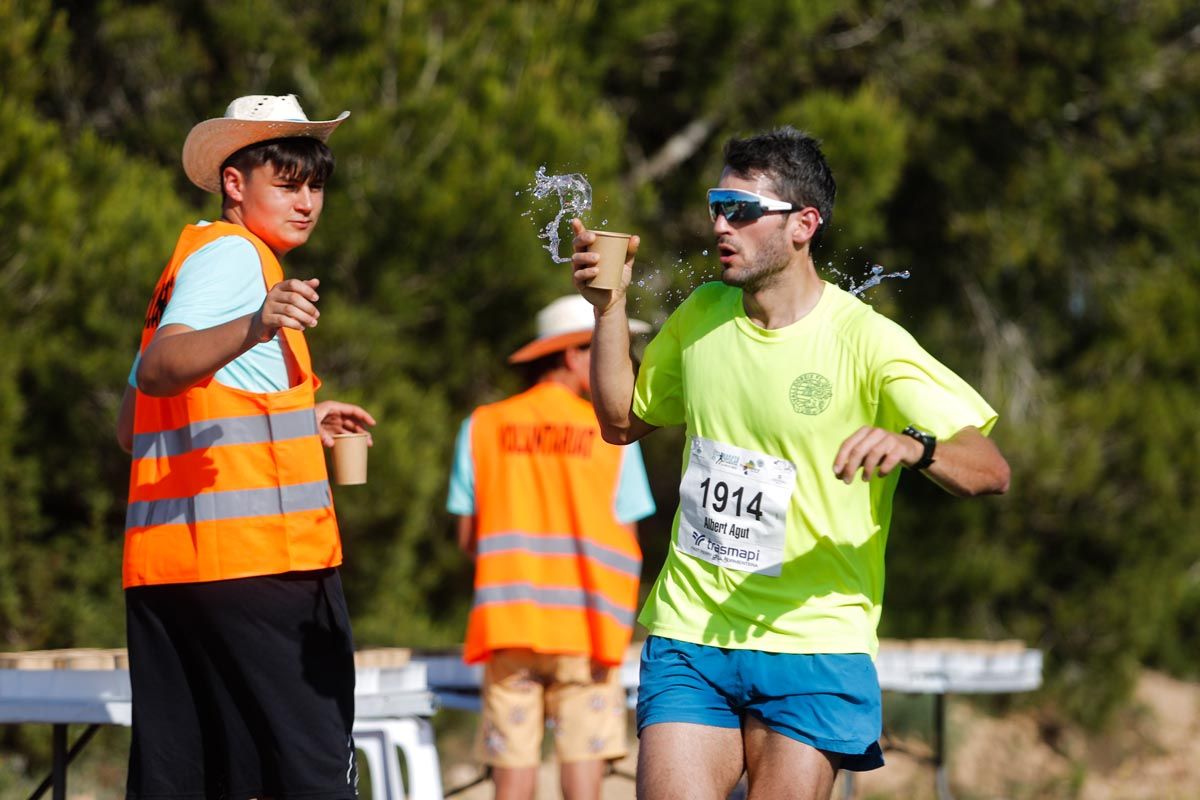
<point x="830" y="701"/>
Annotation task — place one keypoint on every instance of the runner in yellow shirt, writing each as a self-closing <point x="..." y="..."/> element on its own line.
<point x="799" y="403"/>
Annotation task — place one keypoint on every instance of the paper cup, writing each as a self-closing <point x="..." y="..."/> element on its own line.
<point x="349" y="458"/>
<point x="613" y="248"/>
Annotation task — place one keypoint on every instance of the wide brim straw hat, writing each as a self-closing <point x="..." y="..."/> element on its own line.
<point x="567" y="322"/>
<point x="248" y="120"/>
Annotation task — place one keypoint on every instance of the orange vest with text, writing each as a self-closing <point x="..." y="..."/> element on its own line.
<point x="227" y="483"/>
<point x="555" y="572"/>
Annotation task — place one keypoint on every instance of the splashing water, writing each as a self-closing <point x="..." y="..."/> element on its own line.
<point x="876" y="277"/>
<point x="574" y="197"/>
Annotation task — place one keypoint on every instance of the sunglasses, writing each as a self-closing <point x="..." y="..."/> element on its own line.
<point x="737" y="205"/>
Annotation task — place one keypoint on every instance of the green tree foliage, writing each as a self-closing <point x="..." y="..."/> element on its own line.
<point x="1034" y="166"/>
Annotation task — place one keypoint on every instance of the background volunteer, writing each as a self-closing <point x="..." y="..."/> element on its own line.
<point x="548" y="510"/>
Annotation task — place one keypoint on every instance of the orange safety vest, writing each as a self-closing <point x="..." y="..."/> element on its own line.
<point x="227" y="483"/>
<point x="555" y="571"/>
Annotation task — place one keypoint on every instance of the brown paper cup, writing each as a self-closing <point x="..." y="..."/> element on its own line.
<point x="349" y="458"/>
<point x="612" y="247"/>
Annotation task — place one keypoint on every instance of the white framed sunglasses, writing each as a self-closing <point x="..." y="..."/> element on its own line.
<point x="738" y="205"/>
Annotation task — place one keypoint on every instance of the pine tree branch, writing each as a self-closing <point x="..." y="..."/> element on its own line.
<point x="678" y="149"/>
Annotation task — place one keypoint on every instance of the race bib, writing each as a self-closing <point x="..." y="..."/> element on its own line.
<point x="733" y="507"/>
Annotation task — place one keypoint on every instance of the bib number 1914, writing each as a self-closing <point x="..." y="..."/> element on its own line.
<point x="721" y="497"/>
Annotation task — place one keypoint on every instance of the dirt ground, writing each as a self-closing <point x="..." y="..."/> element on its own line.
<point x="1152" y="752"/>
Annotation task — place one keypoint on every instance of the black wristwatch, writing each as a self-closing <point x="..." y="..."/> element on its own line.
<point x="927" y="440"/>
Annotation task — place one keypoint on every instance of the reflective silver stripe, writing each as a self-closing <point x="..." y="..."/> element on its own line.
<point x="562" y="598"/>
<point x="560" y="545"/>
<point x="254" y="429"/>
<point x="211" y="506"/>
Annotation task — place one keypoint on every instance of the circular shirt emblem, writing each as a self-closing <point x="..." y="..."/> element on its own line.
<point x="810" y="394"/>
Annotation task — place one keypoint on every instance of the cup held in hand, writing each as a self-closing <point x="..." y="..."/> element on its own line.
<point x="613" y="248"/>
<point x="350" y="458"/>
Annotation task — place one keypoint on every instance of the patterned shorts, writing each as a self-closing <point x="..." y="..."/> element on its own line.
<point x="583" y="703"/>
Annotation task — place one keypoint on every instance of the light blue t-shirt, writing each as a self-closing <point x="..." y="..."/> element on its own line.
<point x="633" y="501"/>
<point x="223" y="281"/>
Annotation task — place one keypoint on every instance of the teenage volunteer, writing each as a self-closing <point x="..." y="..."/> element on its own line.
<point x="240" y="651"/>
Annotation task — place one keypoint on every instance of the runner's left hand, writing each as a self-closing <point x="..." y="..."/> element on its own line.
<point x="876" y="452"/>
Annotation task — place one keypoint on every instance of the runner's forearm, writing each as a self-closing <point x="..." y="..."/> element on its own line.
<point x="612" y="375"/>
<point x="969" y="464"/>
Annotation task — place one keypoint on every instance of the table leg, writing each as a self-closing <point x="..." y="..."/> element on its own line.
<point x="58" y="772"/>
<point x="941" y="780"/>
<point x="62" y="757"/>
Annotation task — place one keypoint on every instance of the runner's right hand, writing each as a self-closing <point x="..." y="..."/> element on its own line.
<point x="585" y="267"/>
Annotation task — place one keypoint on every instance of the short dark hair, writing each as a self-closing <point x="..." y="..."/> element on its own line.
<point x="793" y="162"/>
<point x="532" y="372"/>
<point x="298" y="158"/>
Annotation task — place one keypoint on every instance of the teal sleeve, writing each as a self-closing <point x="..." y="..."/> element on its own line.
<point x="219" y="282"/>
<point x="137" y="359"/>
<point x="223" y="281"/>
<point x="634" y="500"/>
<point x="461" y="499"/>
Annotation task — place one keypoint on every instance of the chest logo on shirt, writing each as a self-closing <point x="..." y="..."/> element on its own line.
<point x="810" y="394"/>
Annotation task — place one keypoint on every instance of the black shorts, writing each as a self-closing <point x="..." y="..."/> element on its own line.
<point x="242" y="688"/>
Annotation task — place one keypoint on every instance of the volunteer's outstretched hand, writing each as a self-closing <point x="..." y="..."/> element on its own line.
<point x="334" y="417"/>
<point x="289" y="304"/>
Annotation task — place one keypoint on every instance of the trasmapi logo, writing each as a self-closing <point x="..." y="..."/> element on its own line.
<point x="735" y="553"/>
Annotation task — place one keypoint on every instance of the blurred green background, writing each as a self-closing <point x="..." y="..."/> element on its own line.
<point x="1035" y="166"/>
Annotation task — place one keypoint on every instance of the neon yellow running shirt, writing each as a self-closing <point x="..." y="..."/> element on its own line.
<point x="765" y="413"/>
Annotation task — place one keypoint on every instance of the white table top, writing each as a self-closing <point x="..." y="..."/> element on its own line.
<point x="103" y="696"/>
<point x="958" y="667"/>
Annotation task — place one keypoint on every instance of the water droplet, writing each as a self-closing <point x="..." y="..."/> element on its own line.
<point x="875" y="277"/>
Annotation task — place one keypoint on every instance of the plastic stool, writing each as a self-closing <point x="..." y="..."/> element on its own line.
<point x="380" y="739"/>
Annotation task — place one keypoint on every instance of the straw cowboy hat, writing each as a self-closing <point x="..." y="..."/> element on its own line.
<point x="248" y="120"/>
<point x="567" y="322"/>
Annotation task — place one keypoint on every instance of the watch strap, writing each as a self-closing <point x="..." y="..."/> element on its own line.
<point x="928" y="441"/>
